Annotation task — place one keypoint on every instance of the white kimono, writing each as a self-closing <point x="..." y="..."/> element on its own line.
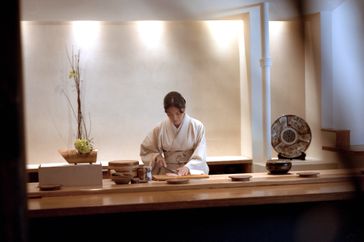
<point x="185" y="145"/>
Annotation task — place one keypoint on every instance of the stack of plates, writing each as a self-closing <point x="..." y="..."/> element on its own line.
<point x="125" y="167"/>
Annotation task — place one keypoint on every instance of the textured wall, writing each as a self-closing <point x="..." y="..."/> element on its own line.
<point x="348" y="72"/>
<point x="125" y="80"/>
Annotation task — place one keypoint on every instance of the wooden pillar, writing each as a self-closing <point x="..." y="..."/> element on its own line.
<point x="12" y="158"/>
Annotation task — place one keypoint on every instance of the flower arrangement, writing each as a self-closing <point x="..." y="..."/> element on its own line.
<point x="83" y="143"/>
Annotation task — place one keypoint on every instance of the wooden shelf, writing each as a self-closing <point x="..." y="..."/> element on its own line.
<point x="352" y="150"/>
<point x="342" y="136"/>
<point x="229" y="164"/>
<point x="342" y="144"/>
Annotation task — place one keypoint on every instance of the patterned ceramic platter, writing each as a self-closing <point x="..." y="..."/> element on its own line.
<point x="291" y="135"/>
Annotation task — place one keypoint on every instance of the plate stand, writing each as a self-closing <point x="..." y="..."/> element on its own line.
<point x="300" y="157"/>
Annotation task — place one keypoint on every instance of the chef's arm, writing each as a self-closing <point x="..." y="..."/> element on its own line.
<point x="149" y="150"/>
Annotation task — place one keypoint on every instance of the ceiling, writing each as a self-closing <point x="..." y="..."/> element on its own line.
<point x="129" y="10"/>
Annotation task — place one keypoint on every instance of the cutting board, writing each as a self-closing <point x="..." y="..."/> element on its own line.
<point x="165" y="177"/>
<point x="123" y="163"/>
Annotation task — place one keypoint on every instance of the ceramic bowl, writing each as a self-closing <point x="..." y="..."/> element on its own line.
<point x="278" y="166"/>
<point x="121" y="178"/>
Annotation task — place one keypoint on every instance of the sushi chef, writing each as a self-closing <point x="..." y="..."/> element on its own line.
<point x="178" y="143"/>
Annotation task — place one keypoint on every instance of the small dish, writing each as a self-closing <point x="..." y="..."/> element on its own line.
<point x="240" y="177"/>
<point x="308" y="173"/>
<point x="177" y="181"/>
<point x="53" y="187"/>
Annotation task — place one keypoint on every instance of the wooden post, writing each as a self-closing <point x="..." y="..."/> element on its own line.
<point x="265" y="63"/>
<point x="13" y="206"/>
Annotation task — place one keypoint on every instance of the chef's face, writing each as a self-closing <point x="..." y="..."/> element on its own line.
<point x="175" y="116"/>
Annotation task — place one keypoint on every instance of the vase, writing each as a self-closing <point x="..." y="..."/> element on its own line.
<point x="72" y="156"/>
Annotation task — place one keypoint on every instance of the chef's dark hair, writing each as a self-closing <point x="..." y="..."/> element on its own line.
<point x="174" y="99"/>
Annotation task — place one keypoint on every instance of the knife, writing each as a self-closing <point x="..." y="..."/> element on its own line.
<point x="170" y="170"/>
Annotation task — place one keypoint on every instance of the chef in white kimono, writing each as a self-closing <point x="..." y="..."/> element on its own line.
<point x="177" y="143"/>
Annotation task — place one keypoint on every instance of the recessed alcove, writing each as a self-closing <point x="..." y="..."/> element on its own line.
<point x="127" y="70"/>
<point x="126" y="77"/>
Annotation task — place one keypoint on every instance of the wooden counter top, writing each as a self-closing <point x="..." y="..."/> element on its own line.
<point x="215" y="191"/>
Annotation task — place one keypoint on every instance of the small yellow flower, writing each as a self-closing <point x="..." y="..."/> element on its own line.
<point x="72" y="74"/>
<point x="83" y="146"/>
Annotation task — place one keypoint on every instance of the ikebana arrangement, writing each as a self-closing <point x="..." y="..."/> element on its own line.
<point x="84" y="151"/>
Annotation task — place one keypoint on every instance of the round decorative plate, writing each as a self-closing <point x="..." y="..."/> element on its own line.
<point x="291" y="135"/>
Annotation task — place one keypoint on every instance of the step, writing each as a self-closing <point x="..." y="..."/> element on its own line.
<point x="342" y="136"/>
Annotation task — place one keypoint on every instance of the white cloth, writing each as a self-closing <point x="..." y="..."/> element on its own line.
<point x="188" y="138"/>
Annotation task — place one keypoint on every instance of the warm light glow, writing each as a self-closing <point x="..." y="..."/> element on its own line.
<point x="150" y="33"/>
<point x="276" y="28"/>
<point x="224" y="32"/>
<point x="86" y="33"/>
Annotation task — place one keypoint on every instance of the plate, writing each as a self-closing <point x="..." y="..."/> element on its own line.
<point x="240" y="177"/>
<point x="308" y="174"/>
<point x="291" y="135"/>
<point x="177" y="181"/>
<point x="49" y="187"/>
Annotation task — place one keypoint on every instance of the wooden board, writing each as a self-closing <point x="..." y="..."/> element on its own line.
<point x="123" y="163"/>
<point x="123" y="168"/>
<point x="165" y="177"/>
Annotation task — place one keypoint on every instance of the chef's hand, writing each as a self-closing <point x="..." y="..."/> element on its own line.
<point x="159" y="162"/>
<point x="183" y="171"/>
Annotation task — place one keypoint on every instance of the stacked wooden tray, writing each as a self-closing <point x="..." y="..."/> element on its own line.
<point x="126" y="167"/>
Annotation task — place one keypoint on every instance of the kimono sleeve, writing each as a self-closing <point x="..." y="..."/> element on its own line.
<point x="197" y="163"/>
<point x="150" y="147"/>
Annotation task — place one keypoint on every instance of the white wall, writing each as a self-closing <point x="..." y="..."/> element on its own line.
<point x="348" y="68"/>
<point x="296" y="77"/>
<point x="125" y="82"/>
<point x="288" y="83"/>
<point x="287" y="71"/>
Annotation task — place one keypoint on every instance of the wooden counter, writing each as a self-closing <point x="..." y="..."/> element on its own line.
<point x="215" y="191"/>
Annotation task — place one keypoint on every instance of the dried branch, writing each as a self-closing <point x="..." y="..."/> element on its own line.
<point x="75" y="74"/>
